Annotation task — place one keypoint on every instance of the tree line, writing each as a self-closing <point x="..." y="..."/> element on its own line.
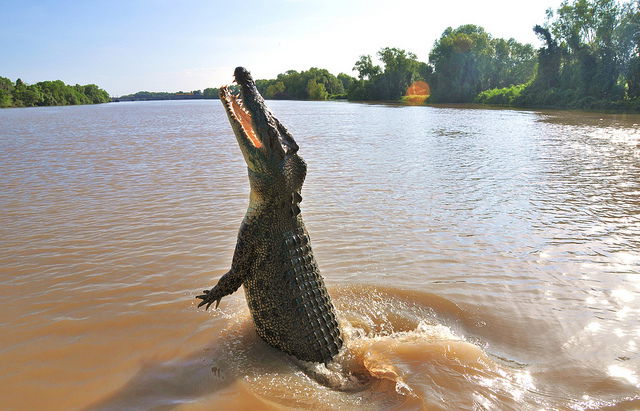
<point x="590" y="59"/>
<point x="463" y="62"/>
<point x="207" y="93"/>
<point x="312" y="84"/>
<point x="48" y="93"/>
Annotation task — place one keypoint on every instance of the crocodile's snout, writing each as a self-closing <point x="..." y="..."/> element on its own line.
<point x="241" y="74"/>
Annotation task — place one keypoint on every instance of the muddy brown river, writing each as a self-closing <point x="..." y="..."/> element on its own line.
<point x="477" y="258"/>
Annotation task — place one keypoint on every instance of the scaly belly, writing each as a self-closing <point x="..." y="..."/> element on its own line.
<point x="289" y="302"/>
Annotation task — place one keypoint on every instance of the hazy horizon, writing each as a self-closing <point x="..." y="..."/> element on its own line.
<point x="126" y="47"/>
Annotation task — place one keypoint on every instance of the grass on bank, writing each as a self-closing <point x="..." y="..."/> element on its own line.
<point x="528" y="95"/>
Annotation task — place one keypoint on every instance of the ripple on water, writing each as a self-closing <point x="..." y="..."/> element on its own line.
<point x="515" y="232"/>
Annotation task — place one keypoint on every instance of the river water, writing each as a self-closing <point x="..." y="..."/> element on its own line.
<point x="477" y="258"/>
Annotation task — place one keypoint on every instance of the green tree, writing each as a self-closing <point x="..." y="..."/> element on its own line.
<point x="401" y="68"/>
<point x="589" y="57"/>
<point x="468" y="60"/>
<point x="210" y="93"/>
<point x="275" y="90"/>
<point x="365" y="68"/>
<point x="295" y="85"/>
<point x="25" y="95"/>
<point x="6" y="100"/>
<point x="346" y="80"/>
<point x="48" y="93"/>
<point x="53" y="93"/>
<point x="316" y="91"/>
<point x="322" y="76"/>
<point x="512" y="63"/>
<point x="462" y="61"/>
<point x="628" y="36"/>
<point x="589" y="31"/>
<point x="95" y="94"/>
<point x="549" y="60"/>
<point x="6" y="89"/>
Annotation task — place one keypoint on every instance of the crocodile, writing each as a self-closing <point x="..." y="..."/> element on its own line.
<point x="273" y="260"/>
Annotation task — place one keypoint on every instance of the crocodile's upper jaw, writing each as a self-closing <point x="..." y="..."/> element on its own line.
<point x="263" y="140"/>
<point x="241" y="121"/>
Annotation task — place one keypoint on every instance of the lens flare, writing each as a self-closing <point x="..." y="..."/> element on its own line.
<point x="417" y="93"/>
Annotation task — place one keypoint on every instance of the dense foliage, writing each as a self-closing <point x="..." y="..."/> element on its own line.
<point x="467" y="60"/>
<point x="48" y="93"/>
<point x="590" y="58"/>
<point x="207" y="93"/>
<point x="463" y="62"/>
<point x="312" y="84"/>
<point x="506" y="96"/>
<point x="401" y="69"/>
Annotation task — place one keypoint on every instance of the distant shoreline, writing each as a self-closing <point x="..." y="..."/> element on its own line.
<point x="49" y="93"/>
<point x="472" y="105"/>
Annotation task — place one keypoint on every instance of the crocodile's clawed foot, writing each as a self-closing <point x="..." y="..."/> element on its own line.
<point x="208" y="298"/>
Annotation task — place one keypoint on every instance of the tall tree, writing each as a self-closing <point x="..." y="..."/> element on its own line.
<point x="346" y="80"/>
<point x="400" y="69"/>
<point x="315" y="84"/>
<point x="365" y="68"/>
<point x="26" y="95"/>
<point x="589" y="31"/>
<point x="629" y="39"/>
<point x="316" y="91"/>
<point x="6" y="89"/>
<point x="210" y="93"/>
<point x="549" y="59"/>
<point x="461" y="59"/>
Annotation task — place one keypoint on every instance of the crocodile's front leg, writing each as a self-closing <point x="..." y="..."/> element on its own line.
<point x="233" y="279"/>
<point x="228" y="284"/>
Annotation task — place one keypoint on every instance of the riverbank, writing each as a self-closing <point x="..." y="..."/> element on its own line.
<point x="534" y="96"/>
<point x="408" y="102"/>
<point x="206" y="94"/>
<point x="616" y="107"/>
<point x="633" y="108"/>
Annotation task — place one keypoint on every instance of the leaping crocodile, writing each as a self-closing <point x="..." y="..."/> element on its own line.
<point x="289" y="303"/>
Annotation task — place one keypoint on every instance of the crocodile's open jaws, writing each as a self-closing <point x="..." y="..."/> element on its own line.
<point x="273" y="259"/>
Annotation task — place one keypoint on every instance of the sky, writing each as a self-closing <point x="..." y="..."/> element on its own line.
<point x="169" y="45"/>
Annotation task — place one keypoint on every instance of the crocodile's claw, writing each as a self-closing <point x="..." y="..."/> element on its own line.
<point x="209" y="297"/>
